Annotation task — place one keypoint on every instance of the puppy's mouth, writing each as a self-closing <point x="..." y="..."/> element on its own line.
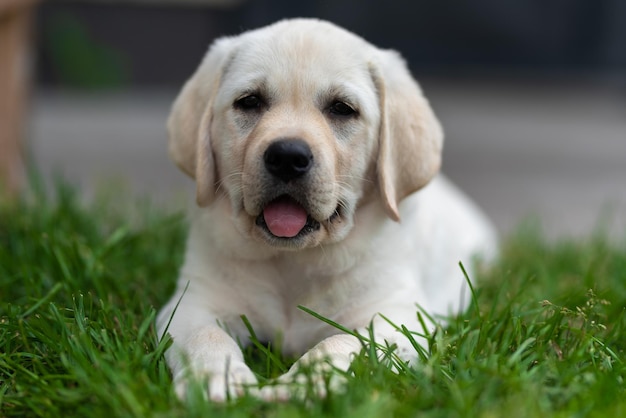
<point x="286" y="218"/>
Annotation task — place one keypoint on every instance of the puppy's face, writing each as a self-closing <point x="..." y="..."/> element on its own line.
<point x="291" y="131"/>
<point x="294" y="134"/>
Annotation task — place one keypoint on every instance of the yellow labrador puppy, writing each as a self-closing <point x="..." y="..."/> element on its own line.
<point x="309" y="147"/>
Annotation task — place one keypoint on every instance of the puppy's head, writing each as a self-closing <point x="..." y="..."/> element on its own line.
<point x="295" y="125"/>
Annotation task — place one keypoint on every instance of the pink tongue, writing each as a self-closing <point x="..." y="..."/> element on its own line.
<point x="284" y="217"/>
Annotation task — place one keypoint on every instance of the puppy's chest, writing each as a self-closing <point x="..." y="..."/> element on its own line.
<point x="273" y="299"/>
<point x="322" y="293"/>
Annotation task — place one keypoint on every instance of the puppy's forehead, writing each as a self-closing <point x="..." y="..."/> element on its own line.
<point x="309" y="55"/>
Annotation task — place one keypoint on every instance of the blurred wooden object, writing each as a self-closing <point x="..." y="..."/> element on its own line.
<point x="15" y="26"/>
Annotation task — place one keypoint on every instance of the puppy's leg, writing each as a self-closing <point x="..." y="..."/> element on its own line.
<point x="210" y="353"/>
<point x="323" y="365"/>
<point x="205" y="352"/>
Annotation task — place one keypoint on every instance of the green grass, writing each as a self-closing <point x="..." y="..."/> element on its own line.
<point x="79" y="288"/>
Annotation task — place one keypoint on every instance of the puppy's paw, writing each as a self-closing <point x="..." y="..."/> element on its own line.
<point x="321" y="370"/>
<point x="308" y="381"/>
<point x="222" y="383"/>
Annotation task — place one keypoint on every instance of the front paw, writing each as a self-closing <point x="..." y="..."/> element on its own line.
<point x="302" y="381"/>
<point x="321" y="370"/>
<point x="220" y="383"/>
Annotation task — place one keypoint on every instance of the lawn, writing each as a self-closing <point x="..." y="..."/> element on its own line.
<point x="80" y="285"/>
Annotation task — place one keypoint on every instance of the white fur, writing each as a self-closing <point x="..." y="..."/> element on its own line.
<point x="364" y="264"/>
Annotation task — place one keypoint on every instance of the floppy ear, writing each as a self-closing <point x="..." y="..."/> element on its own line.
<point x="410" y="138"/>
<point x="190" y="119"/>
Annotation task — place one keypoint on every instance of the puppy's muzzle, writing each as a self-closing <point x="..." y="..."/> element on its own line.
<point x="286" y="216"/>
<point x="288" y="159"/>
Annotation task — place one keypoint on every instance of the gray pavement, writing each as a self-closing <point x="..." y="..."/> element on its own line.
<point x="556" y="151"/>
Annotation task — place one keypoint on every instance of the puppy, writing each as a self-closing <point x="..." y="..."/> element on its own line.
<point x="315" y="157"/>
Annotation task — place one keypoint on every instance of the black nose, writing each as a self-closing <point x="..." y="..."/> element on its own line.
<point x="288" y="159"/>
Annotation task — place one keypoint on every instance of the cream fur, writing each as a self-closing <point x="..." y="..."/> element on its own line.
<point x="391" y="231"/>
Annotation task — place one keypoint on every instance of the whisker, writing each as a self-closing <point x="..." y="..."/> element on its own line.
<point x="221" y="181"/>
<point x="342" y="196"/>
<point x="343" y="185"/>
<point x="322" y="249"/>
<point x="349" y="176"/>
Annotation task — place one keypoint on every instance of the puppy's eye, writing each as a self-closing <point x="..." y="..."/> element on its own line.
<point x="250" y="102"/>
<point x="338" y="108"/>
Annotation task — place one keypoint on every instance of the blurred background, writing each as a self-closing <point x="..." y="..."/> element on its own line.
<point x="531" y="94"/>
